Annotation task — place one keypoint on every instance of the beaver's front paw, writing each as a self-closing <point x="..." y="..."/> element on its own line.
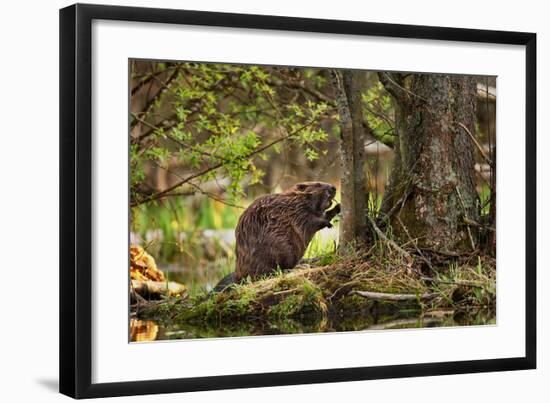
<point x="336" y="209"/>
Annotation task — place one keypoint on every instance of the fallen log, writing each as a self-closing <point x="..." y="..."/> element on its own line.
<point x="156" y="289"/>
<point x="382" y="296"/>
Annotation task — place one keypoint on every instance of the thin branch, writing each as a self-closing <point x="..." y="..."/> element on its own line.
<point x="197" y="188"/>
<point x="148" y="77"/>
<point x="178" y="142"/>
<point x="214" y="197"/>
<point x="465" y="216"/>
<point x="194" y="105"/>
<point x="415" y="245"/>
<point x="381" y="116"/>
<point x="393" y="297"/>
<point x="218" y="165"/>
<point x="465" y="283"/>
<point x="447" y="253"/>
<point x="387" y="240"/>
<point x="298" y="85"/>
<point x="487" y="159"/>
<point x="163" y="88"/>
<point x="396" y="89"/>
<point x="145" y="75"/>
<point x="313" y="92"/>
<point x="473" y="223"/>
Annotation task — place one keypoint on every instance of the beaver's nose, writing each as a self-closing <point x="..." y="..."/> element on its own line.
<point x="333" y="190"/>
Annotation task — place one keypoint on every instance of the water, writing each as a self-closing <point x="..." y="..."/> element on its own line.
<point x="148" y="330"/>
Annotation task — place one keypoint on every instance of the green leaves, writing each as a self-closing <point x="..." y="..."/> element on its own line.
<point x="378" y="112"/>
<point x="311" y="154"/>
<point x="221" y="115"/>
<point x="159" y="154"/>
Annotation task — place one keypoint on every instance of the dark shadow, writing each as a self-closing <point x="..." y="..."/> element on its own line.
<point x="51" y="384"/>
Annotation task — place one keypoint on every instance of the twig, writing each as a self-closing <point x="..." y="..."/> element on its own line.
<point x="343" y="288"/>
<point x="214" y="197"/>
<point x="316" y="94"/>
<point x="415" y="245"/>
<point x="387" y="240"/>
<point x="175" y="140"/>
<point x="487" y="159"/>
<point x="447" y="253"/>
<point x="381" y="116"/>
<point x="391" y="85"/>
<point x="147" y="79"/>
<point x="163" y="88"/>
<point x="284" y="292"/>
<point x="197" y="188"/>
<point x="473" y="223"/>
<point x="216" y="166"/>
<point x="464" y="209"/>
<point x="465" y="283"/>
<point x="393" y="297"/>
<point x="193" y="106"/>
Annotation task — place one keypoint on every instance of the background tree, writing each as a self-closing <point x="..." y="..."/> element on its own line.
<point x="432" y="195"/>
<point x="348" y="87"/>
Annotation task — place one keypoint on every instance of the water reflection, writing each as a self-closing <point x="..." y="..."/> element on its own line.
<point x="143" y="330"/>
<point x="150" y="330"/>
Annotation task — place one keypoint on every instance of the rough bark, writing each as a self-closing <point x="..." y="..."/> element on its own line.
<point x="432" y="187"/>
<point x="348" y="85"/>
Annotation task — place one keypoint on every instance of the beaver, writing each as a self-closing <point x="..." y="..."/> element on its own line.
<point x="275" y="230"/>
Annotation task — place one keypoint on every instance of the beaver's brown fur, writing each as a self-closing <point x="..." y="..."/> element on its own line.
<point x="275" y="230"/>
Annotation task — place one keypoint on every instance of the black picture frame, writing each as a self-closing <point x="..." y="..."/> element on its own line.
<point x="76" y="200"/>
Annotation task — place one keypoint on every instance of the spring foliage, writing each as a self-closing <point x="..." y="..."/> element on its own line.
<point x="218" y="120"/>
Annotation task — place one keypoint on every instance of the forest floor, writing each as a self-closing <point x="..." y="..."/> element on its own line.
<point x="377" y="282"/>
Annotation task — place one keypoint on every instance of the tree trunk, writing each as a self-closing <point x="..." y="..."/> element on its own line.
<point x="348" y="86"/>
<point x="432" y="191"/>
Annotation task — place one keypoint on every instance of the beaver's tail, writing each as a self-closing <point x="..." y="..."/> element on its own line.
<point x="225" y="283"/>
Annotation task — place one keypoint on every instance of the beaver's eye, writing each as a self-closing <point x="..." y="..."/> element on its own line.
<point x="301" y="187"/>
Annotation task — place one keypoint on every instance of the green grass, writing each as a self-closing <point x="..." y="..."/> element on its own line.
<point x="325" y="249"/>
<point x="484" y="195"/>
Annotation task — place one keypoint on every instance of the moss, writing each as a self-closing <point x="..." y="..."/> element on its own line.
<point x="307" y="298"/>
<point x="306" y="303"/>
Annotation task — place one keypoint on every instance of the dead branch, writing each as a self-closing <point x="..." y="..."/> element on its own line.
<point x="480" y="149"/>
<point x="464" y="210"/>
<point x="415" y="244"/>
<point x="393" y="297"/>
<point x="156" y="289"/>
<point x="390" y="242"/>
<point x="466" y="283"/>
<point x="392" y="84"/>
<point x="469" y="221"/>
